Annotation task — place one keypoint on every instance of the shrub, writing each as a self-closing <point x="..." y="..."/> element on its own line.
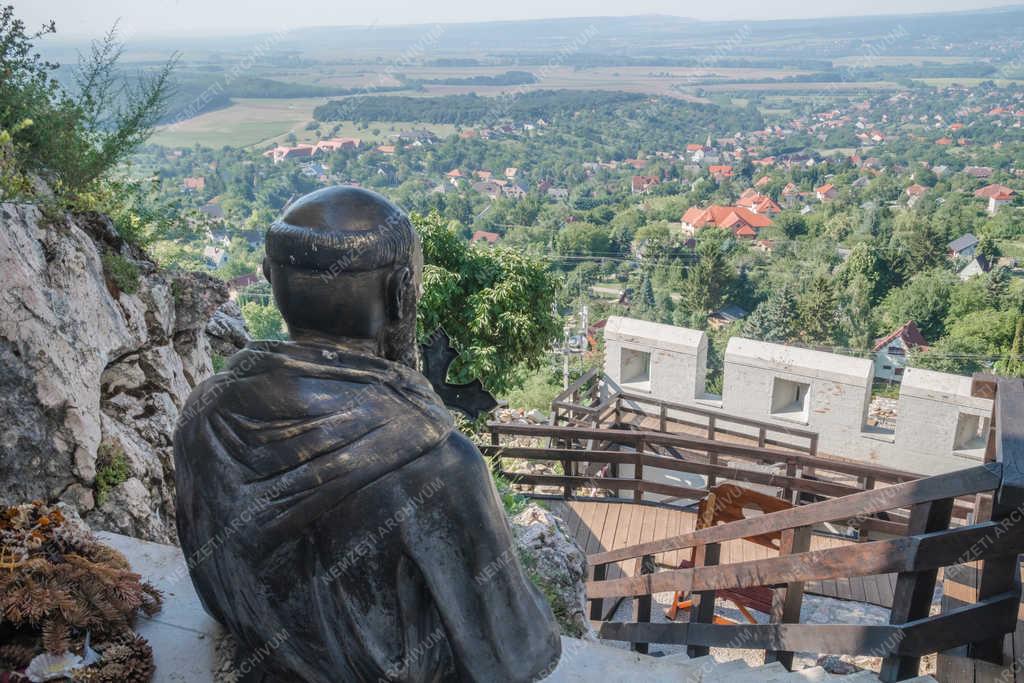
<point x="74" y="139"/>
<point x="122" y="272"/>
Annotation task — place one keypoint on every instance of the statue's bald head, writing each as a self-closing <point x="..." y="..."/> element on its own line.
<point x="342" y="229"/>
<point x="345" y="263"/>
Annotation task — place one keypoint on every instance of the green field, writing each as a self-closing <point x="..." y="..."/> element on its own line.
<point x="262" y="122"/>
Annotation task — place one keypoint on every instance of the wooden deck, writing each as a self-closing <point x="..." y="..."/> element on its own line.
<point x="600" y="526"/>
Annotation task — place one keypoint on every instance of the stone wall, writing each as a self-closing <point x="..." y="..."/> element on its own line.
<point x="98" y="351"/>
<point x="940" y="427"/>
<point x="665" y="361"/>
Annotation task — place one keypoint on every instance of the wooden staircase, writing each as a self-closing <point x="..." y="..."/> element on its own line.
<point x="918" y="526"/>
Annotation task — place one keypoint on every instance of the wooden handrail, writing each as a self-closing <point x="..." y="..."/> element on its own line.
<point x="575" y="386"/>
<point x="986" y="619"/>
<point x="907" y="554"/>
<point x="632" y="437"/>
<point x="963" y="482"/>
<point x="707" y="412"/>
<point x="666" y="463"/>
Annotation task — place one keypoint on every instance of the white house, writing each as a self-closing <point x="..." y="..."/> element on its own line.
<point x="891" y="351"/>
<point x="976" y="266"/>
<point x="216" y="256"/>
<point x="999" y="199"/>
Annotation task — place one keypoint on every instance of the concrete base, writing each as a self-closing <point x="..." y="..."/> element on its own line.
<point x="182" y="634"/>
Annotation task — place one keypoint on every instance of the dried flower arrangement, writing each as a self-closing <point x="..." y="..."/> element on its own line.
<point x="60" y="588"/>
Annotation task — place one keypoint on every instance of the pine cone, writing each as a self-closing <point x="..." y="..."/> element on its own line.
<point x="127" y="661"/>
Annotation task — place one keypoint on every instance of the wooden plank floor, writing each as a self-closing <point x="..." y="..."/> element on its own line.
<point x="600" y="526"/>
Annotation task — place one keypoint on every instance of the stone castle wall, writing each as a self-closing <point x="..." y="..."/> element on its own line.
<point x="940" y="427"/>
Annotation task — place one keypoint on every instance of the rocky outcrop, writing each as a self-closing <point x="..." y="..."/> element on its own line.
<point x="555" y="564"/>
<point x="98" y="351"/>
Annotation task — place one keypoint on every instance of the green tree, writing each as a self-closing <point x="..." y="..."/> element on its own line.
<point x="1012" y="364"/>
<point x="925" y="300"/>
<point x="818" y="312"/>
<point x="708" y="279"/>
<point x="777" y="319"/>
<point x="582" y="238"/>
<point x="497" y="305"/>
<point x="264" y="320"/>
<point x="791" y="223"/>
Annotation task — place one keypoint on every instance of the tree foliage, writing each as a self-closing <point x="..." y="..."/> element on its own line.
<point x="73" y="138"/>
<point x="497" y="305"/>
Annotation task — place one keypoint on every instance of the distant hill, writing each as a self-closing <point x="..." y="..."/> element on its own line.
<point x="644" y="36"/>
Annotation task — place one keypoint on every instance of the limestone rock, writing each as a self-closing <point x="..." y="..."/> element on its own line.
<point x="556" y="564"/>
<point x="87" y="369"/>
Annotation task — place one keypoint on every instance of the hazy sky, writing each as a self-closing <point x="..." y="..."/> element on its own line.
<point x="77" y="18"/>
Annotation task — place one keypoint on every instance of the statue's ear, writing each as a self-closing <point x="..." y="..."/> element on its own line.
<point x="398" y="289"/>
<point x="266" y="268"/>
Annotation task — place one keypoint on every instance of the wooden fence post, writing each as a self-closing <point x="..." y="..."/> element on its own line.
<point x="786" y="602"/>
<point x="703" y="611"/>
<point x="642" y="604"/>
<point x="912" y="598"/>
<point x="712" y="477"/>
<point x="638" y="471"/>
<point x="787" y="493"/>
<point x="597" y="605"/>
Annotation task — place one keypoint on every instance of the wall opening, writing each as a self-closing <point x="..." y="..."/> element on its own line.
<point x="635" y="369"/>
<point x="791" y="400"/>
<point x="971" y="432"/>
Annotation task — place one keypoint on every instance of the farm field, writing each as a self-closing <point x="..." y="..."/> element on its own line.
<point x="252" y="122"/>
<point x="803" y="88"/>
<point x="245" y="123"/>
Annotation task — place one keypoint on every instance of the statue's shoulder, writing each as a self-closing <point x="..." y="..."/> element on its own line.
<point x="206" y="396"/>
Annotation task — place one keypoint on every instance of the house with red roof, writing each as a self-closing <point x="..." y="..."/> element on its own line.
<point x="489" y="238"/>
<point x="891" y="350"/>
<point x="914" y="193"/>
<point x="720" y="172"/>
<point x="195" y="183"/>
<point x="280" y="153"/>
<point x="758" y="203"/>
<point x="999" y="199"/>
<point x="826" y="192"/>
<point x="790" y="195"/>
<point x="335" y="144"/>
<point x="743" y="223"/>
<point x="992" y="190"/>
<point x="997" y="195"/>
<point x="642" y="184"/>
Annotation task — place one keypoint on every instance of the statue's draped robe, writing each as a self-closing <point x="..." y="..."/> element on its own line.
<point x="340" y="527"/>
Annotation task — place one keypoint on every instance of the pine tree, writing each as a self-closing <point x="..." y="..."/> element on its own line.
<point x="776" y="319"/>
<point x="709" y="278"/>
<point x="819" y="315"/>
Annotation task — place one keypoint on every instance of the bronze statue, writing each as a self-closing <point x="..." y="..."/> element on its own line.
<point x="334" y="520"/>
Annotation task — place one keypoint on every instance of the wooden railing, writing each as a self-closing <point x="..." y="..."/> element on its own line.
<point x="700" y="456"/>
<point x="929" y="545"/>
<point x="594" y="400"/>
